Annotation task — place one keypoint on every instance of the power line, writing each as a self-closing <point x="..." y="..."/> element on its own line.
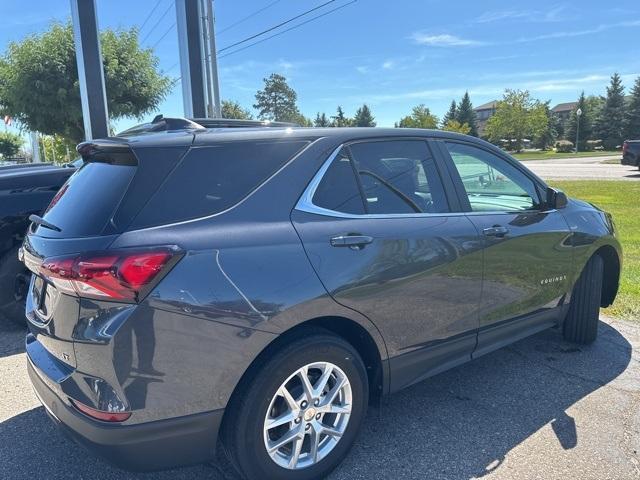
<point x="150" y="15"/>
<point x="247" y="17"/>
<point x="158" y="22"/>
<point x="275" y="26"/>
<point x="164" y="35"/>
<point x="288" y="29"/>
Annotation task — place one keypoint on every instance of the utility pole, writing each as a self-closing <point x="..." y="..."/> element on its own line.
<point x="35" y="148"/>
<point x="198" y="66"/>
<point x="93" y="96"/>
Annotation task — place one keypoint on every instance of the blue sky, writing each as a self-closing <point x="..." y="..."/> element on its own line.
<point x="390" y="54"/>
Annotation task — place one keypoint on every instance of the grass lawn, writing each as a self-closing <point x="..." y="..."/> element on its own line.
<point x="550" y="155"/>
<point x="620" y="198"/>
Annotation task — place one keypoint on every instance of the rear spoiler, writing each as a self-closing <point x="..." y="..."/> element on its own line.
<point x="107" y="150"/>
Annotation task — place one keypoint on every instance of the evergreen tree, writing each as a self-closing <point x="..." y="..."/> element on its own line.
<point x="451" y="115"/>
<point x="364" y="117"/>
<point x="232" y="109"/>
<point x="277" y="101"/>
<point x="340" y="119"/>
<point x="610" y="123"/>
<point x="465" y="114"/>
<point x="632" y="117"/>
<point x="321" y="120"/>
<point x="586" y="123"/>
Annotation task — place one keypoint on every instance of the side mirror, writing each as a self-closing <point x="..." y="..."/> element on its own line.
<point x="556" y="198"/>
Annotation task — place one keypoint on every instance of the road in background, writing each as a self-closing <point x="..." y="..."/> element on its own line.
<point x="541" y="408"/>
<point x="582" y="168"/>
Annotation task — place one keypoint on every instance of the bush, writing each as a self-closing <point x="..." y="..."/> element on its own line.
<point x="593" y="145"/>
<point x="564" y="146"/>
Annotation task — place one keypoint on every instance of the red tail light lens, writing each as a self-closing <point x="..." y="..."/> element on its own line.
<point x="100" y="415"/>
<point x="118" y="275"/>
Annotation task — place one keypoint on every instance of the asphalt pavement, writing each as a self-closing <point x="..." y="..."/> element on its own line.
<point x="583" y="168"/>
<point x="539" y="409"/>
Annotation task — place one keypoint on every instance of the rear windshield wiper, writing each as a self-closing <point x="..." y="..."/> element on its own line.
<point x="41" y="221"/>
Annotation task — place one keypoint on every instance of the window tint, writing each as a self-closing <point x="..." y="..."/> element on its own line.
<point x="491" y="183"/>
<point x="212" y="179"/>
<point x="338" y="189"/>
<point x="398" y="176"/>
<point x="84" y="205"/>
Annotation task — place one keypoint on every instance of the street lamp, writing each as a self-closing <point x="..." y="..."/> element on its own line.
<point x="578" y="113"/>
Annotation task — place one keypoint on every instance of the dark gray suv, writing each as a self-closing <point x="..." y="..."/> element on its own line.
<point x="258" y="287"/>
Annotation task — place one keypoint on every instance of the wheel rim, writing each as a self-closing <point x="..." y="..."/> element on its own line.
<point x="308" y="415"/>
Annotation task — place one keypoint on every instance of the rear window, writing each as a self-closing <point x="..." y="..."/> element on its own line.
<point x="84" y="205"/>
<point x="211" y="179"/>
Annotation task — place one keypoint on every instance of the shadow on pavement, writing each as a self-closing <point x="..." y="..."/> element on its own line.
<point x="459" y="424"/>
<point x="11" y="338"/>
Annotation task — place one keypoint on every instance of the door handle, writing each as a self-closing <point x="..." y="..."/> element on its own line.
<point x="495" y="231"/>
<point x="355" y="242"/>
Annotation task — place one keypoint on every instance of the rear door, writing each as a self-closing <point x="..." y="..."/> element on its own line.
<point x="527" y="255"/>
<point x="380" y="228"/>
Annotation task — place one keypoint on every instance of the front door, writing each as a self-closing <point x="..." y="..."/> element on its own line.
<point x="527" y="255"/>
<point x="377" y="227"/>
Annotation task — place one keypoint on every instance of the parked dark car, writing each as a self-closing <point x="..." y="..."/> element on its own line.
<point x="259" y="287"/>
<point x="25" y="189"/>
<point x="631" y="153"/>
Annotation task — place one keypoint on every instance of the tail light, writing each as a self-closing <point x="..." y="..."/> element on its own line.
<point x="625" y="147"/>
<point x="100" y="414"/>
<point x="117" y="275"/>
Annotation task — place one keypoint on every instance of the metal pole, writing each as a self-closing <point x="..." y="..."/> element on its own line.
<point x="206" y="56"/>
<point x="191" y="54"/>
<point x="578" y="114"/>
<point x="95" y="114"/>
<point x="35" y="148"/>
<point x="213" y="60"/>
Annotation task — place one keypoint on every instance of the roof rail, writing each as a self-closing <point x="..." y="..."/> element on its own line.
<point x="237" y="123"/>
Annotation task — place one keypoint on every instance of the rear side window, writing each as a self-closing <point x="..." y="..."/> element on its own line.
<point x="338" y="189"/>
<point x="211" y="179"/>
<point x="84" y="205"/>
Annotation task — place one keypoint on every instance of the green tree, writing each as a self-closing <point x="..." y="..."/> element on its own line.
<point x="232" y="109"/>
<point x="340" y="119"/>
<point x="321" y="120"/>
<point x="10" y="144"/>
<point x="57" y="149"/>
<point x="581" y="124"/>
<point x="39" y="80"/>
<point x="517" y="116"/>
<point x="455" y="126"/>
<point x="547" y="136"/>
<point x="450" y="115"/>
<point x="420" y="117"/>
<point x="611" y="121"/>
<point x="466" y="114"/>
<point x="632" y="117"/>
<point x="277" y="101"/>
<point x="364" y="117"/>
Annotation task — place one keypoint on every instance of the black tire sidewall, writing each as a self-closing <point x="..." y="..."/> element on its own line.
<point x="250" y="452"/>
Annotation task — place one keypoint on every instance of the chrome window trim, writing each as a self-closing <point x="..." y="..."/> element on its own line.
<point x="305" y="203"/>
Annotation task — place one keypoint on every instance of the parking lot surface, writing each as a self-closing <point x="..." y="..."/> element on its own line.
<point x="541" y="408"/>
<point x="585" y="168"/>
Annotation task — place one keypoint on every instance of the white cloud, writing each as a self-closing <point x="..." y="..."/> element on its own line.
<point x="388" y="65"/>
<point x="579" y="33"/>
<point x="443" y="40"/>
<point x="362" y="69"/>
<point x="554" y="14"/>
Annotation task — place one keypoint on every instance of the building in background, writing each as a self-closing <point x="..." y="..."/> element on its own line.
<point x="483" y="113"/>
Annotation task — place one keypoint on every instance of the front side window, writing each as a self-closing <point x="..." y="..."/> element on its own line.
<point x="491" y="183"/>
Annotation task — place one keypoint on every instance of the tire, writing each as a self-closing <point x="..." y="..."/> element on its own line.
<point x="14" y="282"/>
<point x="243" y="436"/>
<point x="581" y="324"/>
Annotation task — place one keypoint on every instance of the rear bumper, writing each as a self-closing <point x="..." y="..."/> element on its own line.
<point x="142" y="447"/>
<point x="629" y="159"/>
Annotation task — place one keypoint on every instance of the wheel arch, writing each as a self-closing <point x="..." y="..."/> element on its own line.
<point x="611" y="275"/>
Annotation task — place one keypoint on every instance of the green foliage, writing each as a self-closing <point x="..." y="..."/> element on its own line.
<point x="10" y="144"/>
<point x="39" y="80"/>
<point x="421" y="117"/>
<point x="364" y="117"/>
<point x="517" y="117"/>
<point x="632" y="117"/>
<point x="232" y="109"/>
<point x="611" y="121"/>
<point x="277" y="101"/>
<point x="340" y="119"/>
<point x="585" y="122"/>
<point x="549" y="134"/>
<point x="57" y="149"/>
<point x="321" y="120"/>
<point x="465" y="114"/>
<point x="455" y="126"/>
<point x="450" y="115"/>
<point x="564" y="146"/>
